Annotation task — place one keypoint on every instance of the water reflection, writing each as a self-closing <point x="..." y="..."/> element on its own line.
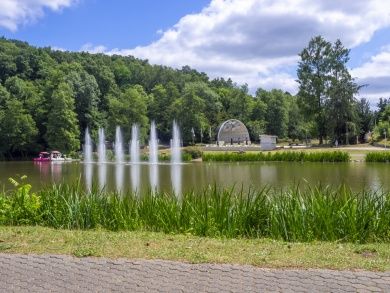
<point x="56" y="171"/>
<point x="88" y="175"/>
<point x="135" y="171"/>
<point x="119" y="176"/>
<point x="196" y="176"/>
<point x="102" y="169"/>
<point x="153" y="177"/>
<point x="176" y="178"/>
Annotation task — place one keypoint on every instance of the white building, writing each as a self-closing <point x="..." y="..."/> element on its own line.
<point x="268" y="142"/>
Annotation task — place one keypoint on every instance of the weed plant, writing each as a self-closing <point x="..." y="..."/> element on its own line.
<point x="294" y="214"/>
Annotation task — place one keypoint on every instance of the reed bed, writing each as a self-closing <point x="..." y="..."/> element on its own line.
<point x="294" y="214"/>
<point x="336" y="156"/>
<point x="378" y="157"/>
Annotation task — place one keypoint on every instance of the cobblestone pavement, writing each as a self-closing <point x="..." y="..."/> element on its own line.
<point x="58" y="273"/>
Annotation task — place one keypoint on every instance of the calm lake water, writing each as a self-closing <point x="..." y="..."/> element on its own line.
<point x="197" y="175"/>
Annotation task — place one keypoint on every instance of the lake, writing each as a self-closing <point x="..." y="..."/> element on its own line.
<point x="195" y="176"/>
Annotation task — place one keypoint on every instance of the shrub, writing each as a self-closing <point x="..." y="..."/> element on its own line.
<point x="194" y="152"/>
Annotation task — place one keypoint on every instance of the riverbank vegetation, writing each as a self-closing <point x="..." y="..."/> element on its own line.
<point x="49" y="97"/>
<point x="296" y="214"/>
<point x="286" y="156"/>
<point x="380" y="157"/>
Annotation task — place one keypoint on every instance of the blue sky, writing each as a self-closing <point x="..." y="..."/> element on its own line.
<point x="252" y="41"/>
<point x="117" y="23"/>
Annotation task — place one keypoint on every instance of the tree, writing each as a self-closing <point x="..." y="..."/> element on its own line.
<point x="366" y="118"/>
<point x="17" y="129"/>
<point x="63" y="130"/>
<point x="129" y="108"/>
<point x="313" y="78"/>
<point x="86" y="92"/>
<point x="326" y="89"/>
<point x="276" y="116"/>
<point x="188" y="111"/>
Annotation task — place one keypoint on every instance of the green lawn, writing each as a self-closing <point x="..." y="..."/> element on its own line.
<point x="149" y="245"/>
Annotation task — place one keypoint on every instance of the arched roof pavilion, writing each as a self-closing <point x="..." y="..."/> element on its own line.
<point x="233" y="131"/>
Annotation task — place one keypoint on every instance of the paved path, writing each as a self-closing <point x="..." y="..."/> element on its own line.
<point x="57" y="273"/>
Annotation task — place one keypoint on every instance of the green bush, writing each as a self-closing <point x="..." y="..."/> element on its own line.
<point x="194" y="152"/>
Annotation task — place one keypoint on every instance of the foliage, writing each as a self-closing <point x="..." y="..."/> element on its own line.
<point x="62" y="129"/>
<point x="382" y="157"/>
<point x="326" y="89"/>
<point x="115" y="90"/>
<point x="194" y="152"/>
<point x="295" y="214"/>
<point x="336" y="156"/>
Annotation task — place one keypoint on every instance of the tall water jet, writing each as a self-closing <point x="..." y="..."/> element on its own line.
<point x="175" y="145"/>
<point x="153" y="157"/>
<point x="135" y="158"/>
<point x="134" y="145"/>
<point x="87" y="147"/>
<point x="176" y="160"/>
<point x="102" y="146"/>
<point x="119" y="153"/>
<point x="153" y="144"/>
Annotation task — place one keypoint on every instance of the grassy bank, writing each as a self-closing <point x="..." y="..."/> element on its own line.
<point x="334" y="156"/>
<point x="296" y="215"/>
<point x="378" y="157"/>
<point x="152" y="245"/>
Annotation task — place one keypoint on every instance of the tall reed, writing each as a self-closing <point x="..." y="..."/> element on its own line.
<point x="294" y="214"/>
<point x="380" y="157"/>
<point x="336" y="156"/>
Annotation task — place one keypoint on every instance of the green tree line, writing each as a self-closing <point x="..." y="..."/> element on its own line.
<point x="49" y="97"/>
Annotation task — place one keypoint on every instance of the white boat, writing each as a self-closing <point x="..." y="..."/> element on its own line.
<point x="56" y="156"/>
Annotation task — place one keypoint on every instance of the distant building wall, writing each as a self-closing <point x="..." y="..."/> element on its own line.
<point x="267" y="142"/>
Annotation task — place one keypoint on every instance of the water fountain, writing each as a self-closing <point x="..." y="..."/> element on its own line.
<point x="102" y="157"/>
<point x="102" y="146"/>
<point x="134" y="145"/>
<point x="135" y="158"/>
<point x="87" y="147"/>
<point x="153" y="145"/>
<point x="153" y="157"/>
<point x="176" y="160"/>
<point x="175" y="145"/>
<point x="88" y="159"/>
<point x="119" y="152"/>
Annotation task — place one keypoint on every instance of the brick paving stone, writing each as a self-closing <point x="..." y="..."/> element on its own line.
<point x="58" y="273"/>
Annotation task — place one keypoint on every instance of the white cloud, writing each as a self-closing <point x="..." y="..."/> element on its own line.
<point x="14" y="13"/>
<point x="257" y="41"/>
<point x="375" y="73"/>
<point x="88" y="47"/>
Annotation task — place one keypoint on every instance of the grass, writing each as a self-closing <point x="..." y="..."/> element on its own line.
<point x="335" y="156"/>
<point x="378" y="157"/>
<point x="306" y="214"/>
<point x="153" y="245"/>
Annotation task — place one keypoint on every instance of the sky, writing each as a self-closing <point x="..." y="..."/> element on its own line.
<point x="254" y="42"/>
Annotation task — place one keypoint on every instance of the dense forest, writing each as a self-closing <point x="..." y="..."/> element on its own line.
<point x="49" y="97"/>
